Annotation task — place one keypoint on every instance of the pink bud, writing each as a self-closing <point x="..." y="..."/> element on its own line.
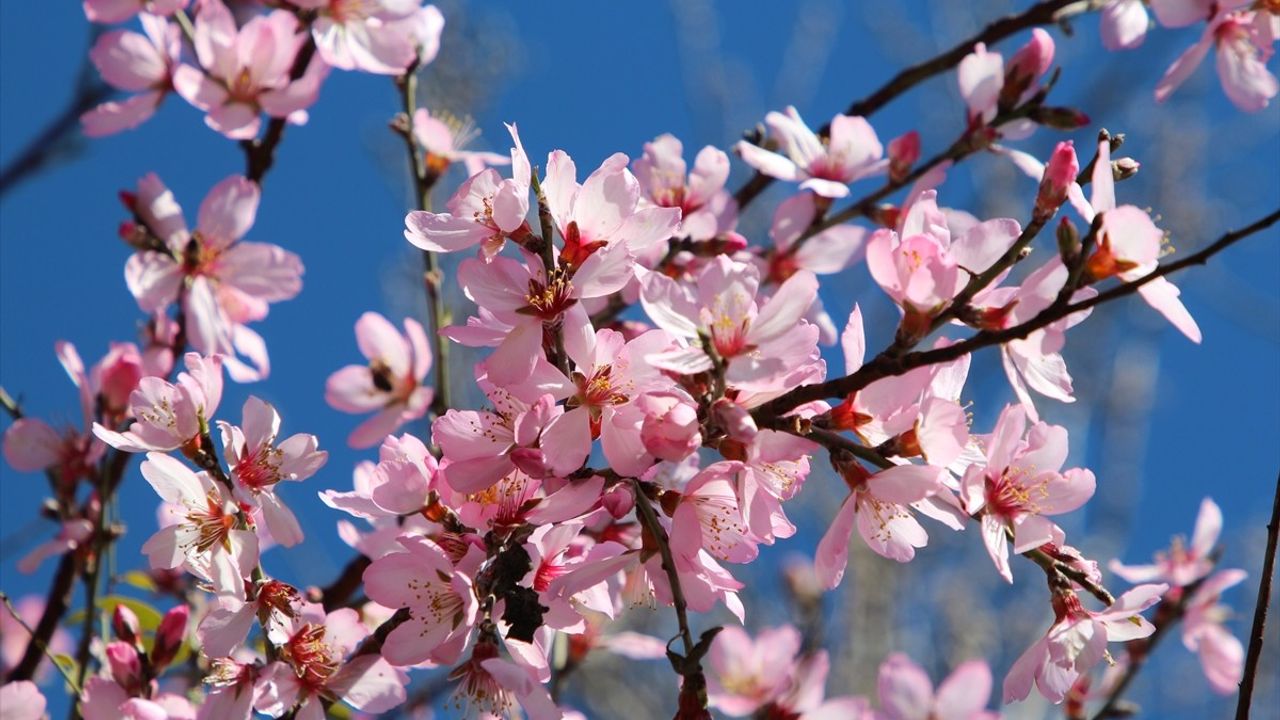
<point x="735" y="420"/>
<point x="169" y="637"/>
<point x="126" y="666"/>
<point x="118" y="375"/>
<point x="125" y="624"/>
<point x="904" y="151"/>
<point x="1033" y="59"/>
<point x="670" y="430"/>
<point x="1058" y="176"/>
<point x="618" y="500"/>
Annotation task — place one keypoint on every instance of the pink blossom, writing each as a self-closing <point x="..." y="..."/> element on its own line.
<point x="228" y="622"/>
<point x="104" y="699"/>
<point x="879" y="505"/>
<point x="440" y="599"/>
<point x="670" y="430"/>
<point x="707" y="210"/>
<point x="825" y="253"/>
<point x="115" y="11"/>
<point x="605" y="210"/>
<point x="317" y="666"/>
<point x="709" y="508"/>
<point x="71" y="536"/>
<point x="246" y="71"/>
<point x="1129" y="245"/>
<point x="222" y="282"/>
<point x="444" y="138"/>
<point x="22" y="700"/>
<point x="851" y="152"/>
<point x="759" y="341"/>
<point x="519" y="300"/>
<point x="1020" y="486"/>
<point x="139" y="64"/>
<point x="609" y="374"/>
<point x="483" y="446"/>
<point x="391" y="384"/>
<point x="907" y="694"/>
<point x="373" y="36"/>
<point x="1242" y="51"/>
<point x="1076" y="641"/>
<point x="258" y="462"/>
<point x="166" y="416"/>
<point x="1203" y="632"/>
<point x="746" y="674"/>
<point x="404" y="476"/>
<point x="1123" y="24"/>
<point x="484" y="210"/>
<point x="205" y="540"/>
<point x="1183" y="563"/>
<point x="988" y="84"/>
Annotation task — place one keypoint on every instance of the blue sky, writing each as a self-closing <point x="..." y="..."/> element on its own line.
<point x="593" y="78"/>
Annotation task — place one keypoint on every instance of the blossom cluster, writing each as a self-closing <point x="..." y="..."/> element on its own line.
<point x="656" y="385"/>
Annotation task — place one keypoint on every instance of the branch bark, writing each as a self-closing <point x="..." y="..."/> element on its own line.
<point x="1259" y="628"/>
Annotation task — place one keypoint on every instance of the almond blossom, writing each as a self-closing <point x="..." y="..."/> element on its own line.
<point x="444" y="138"/>
<point x="706" y="208"/>
<point x="317" y="667"/>
<point x="1128" y="245"/>
<point x="1242" y="42"/>
<point x="485" y="210"/>
<point x="1203" y="632"/>
<point x="1020" y="486"/>
<point x="825" y="166"/>
<point x="1184" y="563"/>
<point x="879" y="505"/>
<point x="114" y="11"/>
<point x="22" y="700"/>
<point x="758" y="341"/>
<point x="907" y="694"/>
<point x="258" y="462"/>
<point x="440" y="600"/>
<point x="1076" y="641"/>
<point x="245" y="71"/>
<point x="206" y="539"/>
<point x="391" y="384"/>
<point x="221" y="281"/>
<point x="140" y="64"/>
<point x="167" y="416"/>
<point x="375" y="36"/>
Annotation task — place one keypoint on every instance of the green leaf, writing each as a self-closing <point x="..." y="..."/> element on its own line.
<point x="148" y="617"/>
<point x="140" y="580"/>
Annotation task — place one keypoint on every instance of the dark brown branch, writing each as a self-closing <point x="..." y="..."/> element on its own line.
<point x="335" y="594"/>
<point x="56" y="603"/>
<point x="1042" y="13"/>
<point x="889" y="364"/>
<point x="260" y="154"/>
<point x="1259" y="628"/>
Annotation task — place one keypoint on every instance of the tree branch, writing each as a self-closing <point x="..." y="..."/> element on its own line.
<point x="1042" y="13"/>
<point x="889" y="364"/>
<point x="1260" y="611"/>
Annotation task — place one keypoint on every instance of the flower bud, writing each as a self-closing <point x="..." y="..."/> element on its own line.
<point x="1025" y="67"/>
<point x="1124" y="168"/>
<point x="904" y="151"/>
<point x="126" y="666"/>
<point x="670" y="429"/>
<point x="619" y="500"/>
<point x="1059" y="118"/>
<point x="125" y="624"/>
<point x="119" y="373"/>
<point x="734" y="419"/>
<point x="1068" y="241"/>
<point x="169" y="637"/>
<point x="1058" y="176"/>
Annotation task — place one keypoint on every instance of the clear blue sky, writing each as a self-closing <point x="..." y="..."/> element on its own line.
<point x="593" y="79"/>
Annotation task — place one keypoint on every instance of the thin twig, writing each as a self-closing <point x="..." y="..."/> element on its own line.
<point x="1260" y="611"/>
<point x="889" y="364"/>
<point x="43" y="647"/>
<point x="1043" y="13"/>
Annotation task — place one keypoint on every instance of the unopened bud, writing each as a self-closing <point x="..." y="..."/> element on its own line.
<point x="125" y="624"/>
<point x="904" y="151"/>
<point x="619" y="501"/>
<point x="1124" y="168"/>
<point x="1068" y="241"/>
<point x="169" y="636"/>
<point x="1059" y="118"/>
<point x="129" y="200"/>
<point x="1025" y="67"/>
<point x="126" y="666"/>
<point x="1058" y="176"/>
<point x="734" y="419"/>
